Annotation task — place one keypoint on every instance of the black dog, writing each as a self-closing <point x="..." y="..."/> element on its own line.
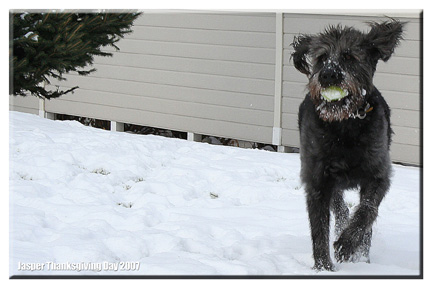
<point x="345" y="134"/>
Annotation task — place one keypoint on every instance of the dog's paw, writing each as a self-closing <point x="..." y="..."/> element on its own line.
<point x="344" y="250"/>
<point x="321" y="265"/>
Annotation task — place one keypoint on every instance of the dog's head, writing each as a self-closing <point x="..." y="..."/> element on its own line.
<point x="340" y="64"/>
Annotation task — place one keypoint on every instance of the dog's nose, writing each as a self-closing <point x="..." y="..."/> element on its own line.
<point x="330" y="75"/>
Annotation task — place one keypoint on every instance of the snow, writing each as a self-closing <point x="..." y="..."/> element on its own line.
<point x="32" y="35"/>
<point x="85" y="201"/>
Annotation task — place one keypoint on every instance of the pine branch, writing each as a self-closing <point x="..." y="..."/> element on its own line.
<point x="48" y="45"/>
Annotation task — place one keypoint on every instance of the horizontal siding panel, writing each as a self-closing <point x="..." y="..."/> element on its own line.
<point x="193" y="80"/>
<point x="408" y="154"/>
<point x="23" y="109"/>
<point x="294" y="89"/>
<point x="167" y="121"/>
<point x="203" y="66"/>
<point x="212" y="37"/>
<point x="258" y="22"/>
<point x="287" y="51"/>
<point x="405" y="118"/>
<point x="291" y="105"/>
<point x="198" y="51"/>
<point x="400" y="65"/>
<point x="402" y="100"/>
<point x="406" y="135"/>
<point x="408" y="48"/>
<point x="290" y="138"/>
<point x="214" y="97"/>
<point x="397" y="82"/>
<point x="164" y="106"/>
<point x="29" y="101"/>
<point x="290" y="121"/>
<point x="292" y="74"/>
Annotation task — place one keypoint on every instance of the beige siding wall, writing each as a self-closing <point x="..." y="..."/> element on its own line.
<point x="214" y="73"/>
<point x="203" y="73"/>
<point x="28" y="104"/>
<point x="398" y="80"/>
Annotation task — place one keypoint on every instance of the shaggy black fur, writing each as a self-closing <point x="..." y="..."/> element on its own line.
<point x="344" y="144"/>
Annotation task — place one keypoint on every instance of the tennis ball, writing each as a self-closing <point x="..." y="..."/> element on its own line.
<point x="333" y="93"/>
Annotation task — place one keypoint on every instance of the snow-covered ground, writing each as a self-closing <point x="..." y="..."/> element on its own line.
<point x="96" y="201"/>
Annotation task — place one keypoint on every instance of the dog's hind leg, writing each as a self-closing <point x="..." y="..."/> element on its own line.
<point x="318" y="205"/>
<point x="357" y="236"/>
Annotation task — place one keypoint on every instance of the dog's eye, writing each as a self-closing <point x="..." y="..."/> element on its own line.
<point x="322" y="57"/>
<point x="347" y="56"/>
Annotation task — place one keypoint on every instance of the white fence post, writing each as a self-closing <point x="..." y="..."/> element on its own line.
<point x="117" y="126"/>
<point x="42" y="112"/>
<point x="277" y="120"/>
<point x="194" y="137"/>
<point x="41" y="108"/>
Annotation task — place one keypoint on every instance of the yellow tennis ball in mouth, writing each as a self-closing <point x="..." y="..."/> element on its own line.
<point x="333" y="93"/>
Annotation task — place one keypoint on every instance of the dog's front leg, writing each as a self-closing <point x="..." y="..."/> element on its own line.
<point x="318" y="205"/>
<point x="356" y="238"/>
<point x="341" y="212"/>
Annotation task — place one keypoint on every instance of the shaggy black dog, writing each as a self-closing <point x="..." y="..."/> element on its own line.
<point x="345" y="134"/>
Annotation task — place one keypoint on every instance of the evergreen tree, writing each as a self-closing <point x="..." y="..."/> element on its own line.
<point x="47" y="45"/>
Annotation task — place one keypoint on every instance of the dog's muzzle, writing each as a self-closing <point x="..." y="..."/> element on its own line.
<point x="330" y="75"/>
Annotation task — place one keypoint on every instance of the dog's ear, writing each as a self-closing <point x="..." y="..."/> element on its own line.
<point x="383" y="38"/>
<point x="301" y="46"/>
